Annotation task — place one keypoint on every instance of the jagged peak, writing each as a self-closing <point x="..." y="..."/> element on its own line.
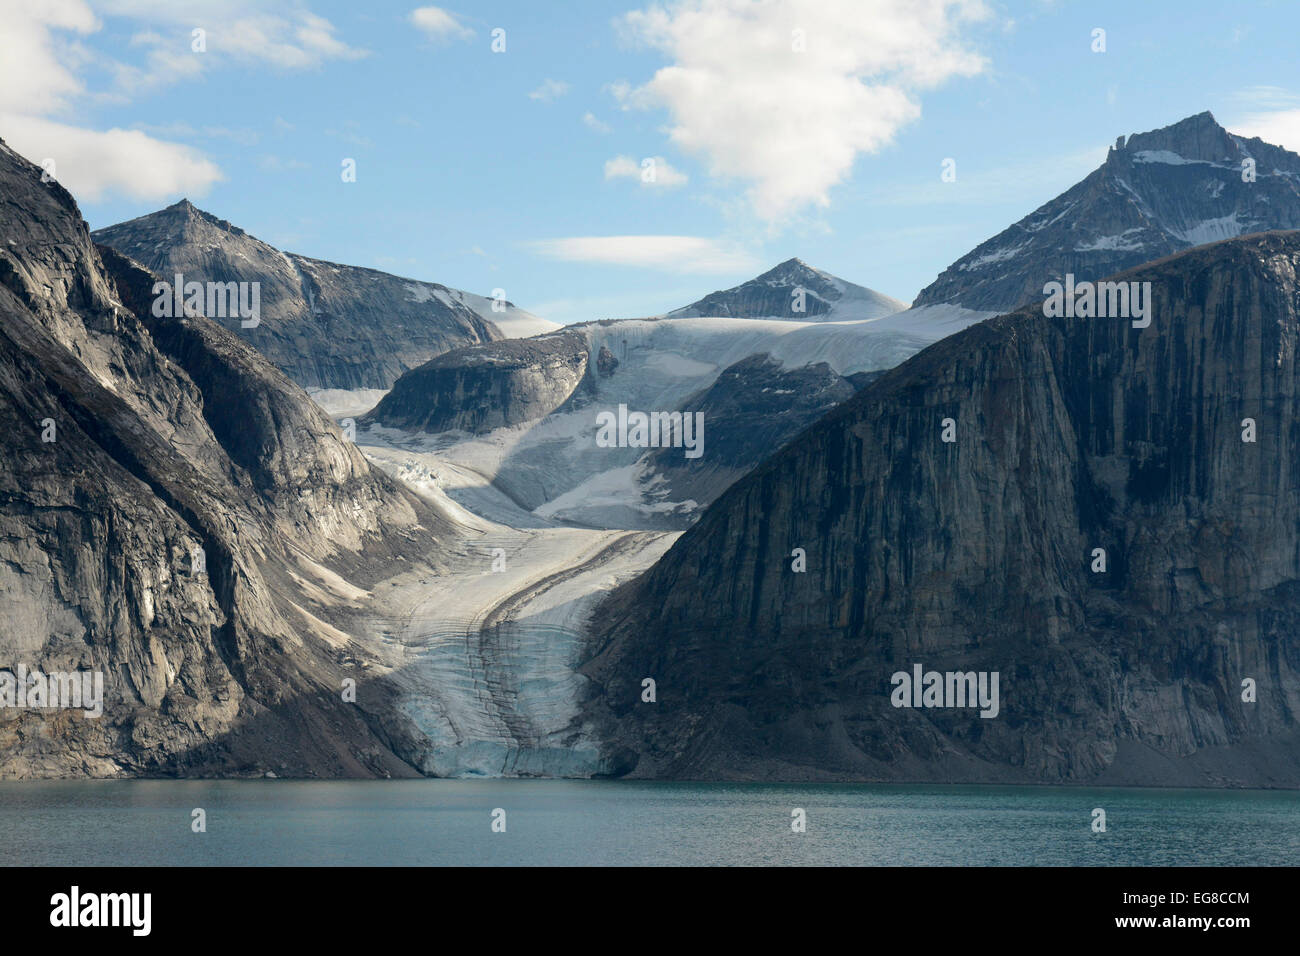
<point x="1196" y="137"/>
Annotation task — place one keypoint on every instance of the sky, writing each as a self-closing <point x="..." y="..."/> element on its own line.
<point x="617" y="159"/>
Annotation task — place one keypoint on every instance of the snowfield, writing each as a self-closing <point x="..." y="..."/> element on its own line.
<point x="553" y="468"/>
<point x="546" y="523"/>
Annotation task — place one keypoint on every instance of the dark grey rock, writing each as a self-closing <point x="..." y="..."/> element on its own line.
<point x="1072" y="434"/>
<point x="771" y="296"/>
<point x="606" y="363"/>
<point x="753" y="408"/>
<point x="1162" y="192"/>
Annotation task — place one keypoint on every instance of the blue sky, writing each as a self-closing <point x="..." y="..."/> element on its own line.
<point x="521" y="170"/>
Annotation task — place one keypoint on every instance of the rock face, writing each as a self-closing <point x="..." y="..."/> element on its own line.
<point x="606" y="363"/>
<point x="482" y="387"/>
<point x="176" y="515"/>
<point x="324" y="325"/>
<point x="752" y="409"/>
<point x="1160" y="193"/>
<point x="979" y="555"/>
<point x="795" y="291"/>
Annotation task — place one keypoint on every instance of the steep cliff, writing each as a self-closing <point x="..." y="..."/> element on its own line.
<point x="751" y="410"/>
<point x="323" y="324"/>
<point x="179" y="517"/>
<point x="1156" y="194"/>
<point x="479" y="388"/>
<point x="979" y="554"/>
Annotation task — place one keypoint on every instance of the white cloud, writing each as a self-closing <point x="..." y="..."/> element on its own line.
<point x="683" y="254"/>
<point x="235" y="31"/>
<point x="790" y="124"/>
<point x="650" y="172"/>
<point x="549" y="91"/>
<point x="1281" y="128"/>
<point x="1270" y="112"/>
<point x="437" y="24"/>
<point x="43" y="58"/>
<point x="36" y="75"/>
<point x="93" y="163"/>
<point x="591" y="122"/>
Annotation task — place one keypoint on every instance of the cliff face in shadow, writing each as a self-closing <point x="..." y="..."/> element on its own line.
<point x="1071" y="434"/>
<point x="178" y="516"/>
<point x="753" y="408"/>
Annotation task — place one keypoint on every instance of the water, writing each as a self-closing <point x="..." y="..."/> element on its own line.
<point x="567" y="822"/>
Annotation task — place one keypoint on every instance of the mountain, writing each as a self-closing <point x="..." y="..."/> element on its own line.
<point x="525" y="413"/>
<point x="1156" y="194"/>
<point x="796" y="291"/>
<point x="324" y="325"/>
<point x="1172" y="448"/>
<point x="178" y="517"/>
<point x="481" y="387"/>
<point x="753" y="408"/>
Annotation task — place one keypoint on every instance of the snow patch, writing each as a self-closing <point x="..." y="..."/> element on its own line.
<point x="1210" y="230"/>
<point x="1123" y="242"/>
<point x="989" y="258"/>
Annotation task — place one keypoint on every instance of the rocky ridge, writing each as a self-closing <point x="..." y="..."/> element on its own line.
<point x="979" y="554"/>
<point x="1156" y="194"/>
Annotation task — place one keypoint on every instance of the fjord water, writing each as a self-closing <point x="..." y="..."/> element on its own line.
<point x="565" y="822"/>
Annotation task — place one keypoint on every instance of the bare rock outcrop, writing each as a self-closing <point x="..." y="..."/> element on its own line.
<point x="1158" y="193"/>
<point x="177" y="516"/>
<point x="478" y="388"/>
<point x="1177" y="664"/>
<point x="323" y="324"/>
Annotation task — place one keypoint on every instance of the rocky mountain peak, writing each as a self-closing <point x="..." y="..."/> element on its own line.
<point x="324" y="324"/>
<point x="793" y="290"/>
<point x="1197" y="138"/>
<point x="796" y="272"/>
<point x="183" y="221"/>
<point x="1157" y="193"/>
<point x="791" y="266"/>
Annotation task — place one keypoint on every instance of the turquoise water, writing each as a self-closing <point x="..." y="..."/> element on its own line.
<point x="561" y="822"/>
